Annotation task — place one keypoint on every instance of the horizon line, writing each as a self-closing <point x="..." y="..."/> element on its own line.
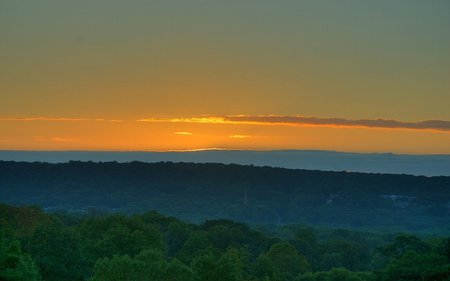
<point x="215" y="149"/>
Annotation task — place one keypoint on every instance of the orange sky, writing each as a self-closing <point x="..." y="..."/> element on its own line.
<point x="79" y="75"/>
<point x="205" y="133"/>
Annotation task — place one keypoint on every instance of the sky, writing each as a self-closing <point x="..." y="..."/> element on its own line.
<point x="362" y="76"/>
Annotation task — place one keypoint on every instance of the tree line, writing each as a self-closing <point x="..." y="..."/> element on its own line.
<point x="35" y="245"/>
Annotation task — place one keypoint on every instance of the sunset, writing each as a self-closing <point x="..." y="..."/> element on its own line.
<point x="73" y="70"/>
<point x="225" y="132"/>
<point x="238" y="140"/>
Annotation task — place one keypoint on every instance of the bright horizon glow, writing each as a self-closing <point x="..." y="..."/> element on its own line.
<point x="234" y="132"/>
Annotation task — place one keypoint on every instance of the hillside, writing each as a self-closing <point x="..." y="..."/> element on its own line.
<point x="263" y="195"/>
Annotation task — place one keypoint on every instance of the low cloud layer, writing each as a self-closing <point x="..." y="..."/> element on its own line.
<point x="438" y="125"/>
<point x="57" y="119"/>
<point x="267" y="120"/>
<point x="372" y="123"/>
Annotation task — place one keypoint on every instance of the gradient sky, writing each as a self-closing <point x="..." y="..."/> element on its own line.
<point x="154" y="75"/>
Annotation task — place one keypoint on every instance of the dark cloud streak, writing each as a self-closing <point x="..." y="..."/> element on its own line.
<point x="439" y="125"/>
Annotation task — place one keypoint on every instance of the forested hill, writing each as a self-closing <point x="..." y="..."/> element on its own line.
<point x="196" y="192"/>
<point x="426" y="165"/>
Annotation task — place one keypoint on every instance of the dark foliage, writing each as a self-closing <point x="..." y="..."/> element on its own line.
<point x="196" y="192"/>
<point x="40" y="246"/>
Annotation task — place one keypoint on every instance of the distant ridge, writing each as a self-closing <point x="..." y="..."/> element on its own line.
<point x="426" y="165"/>
<point x="262" y="195"/>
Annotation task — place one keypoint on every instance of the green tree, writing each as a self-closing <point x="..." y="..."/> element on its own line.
<point x="264" y="269"/>
<point x="149" y="265"/>
<point x="241" y="260"/>
<point x="177" y="233"/>
<point x="58" y="253"/>
<point x="14" y="264"/>
<point x="342" y="253"/>
<point x="305" y="241"/>
<point x="447" y="248"/>
<point x="225" y="235"/>
<point x="197" y="244"/>
<point x="119" y="235"/>
<point x="287" y="260"/>
<point x="413" y="266"/>
<point x="209" y="267"/>
<point x="336" y="274"/>
<point x="402" y="244"/>
<point x="177" y="271"/>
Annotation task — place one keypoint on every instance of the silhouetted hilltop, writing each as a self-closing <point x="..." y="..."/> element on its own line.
<point x="427" y="165"/>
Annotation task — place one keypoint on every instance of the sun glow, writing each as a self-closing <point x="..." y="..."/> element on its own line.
<point x="260" y="132"/>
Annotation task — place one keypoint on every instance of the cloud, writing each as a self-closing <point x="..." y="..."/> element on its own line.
<point x="267" y="120"/>
<point x="183" y="133"/>
<point x="240" y="136"/>
<point x="207" y="120"/>
<point x="57" y="119"/>
<point x="264" y="120"/>
<point x="370" y="123"/>
<point x="200" y="149"/>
